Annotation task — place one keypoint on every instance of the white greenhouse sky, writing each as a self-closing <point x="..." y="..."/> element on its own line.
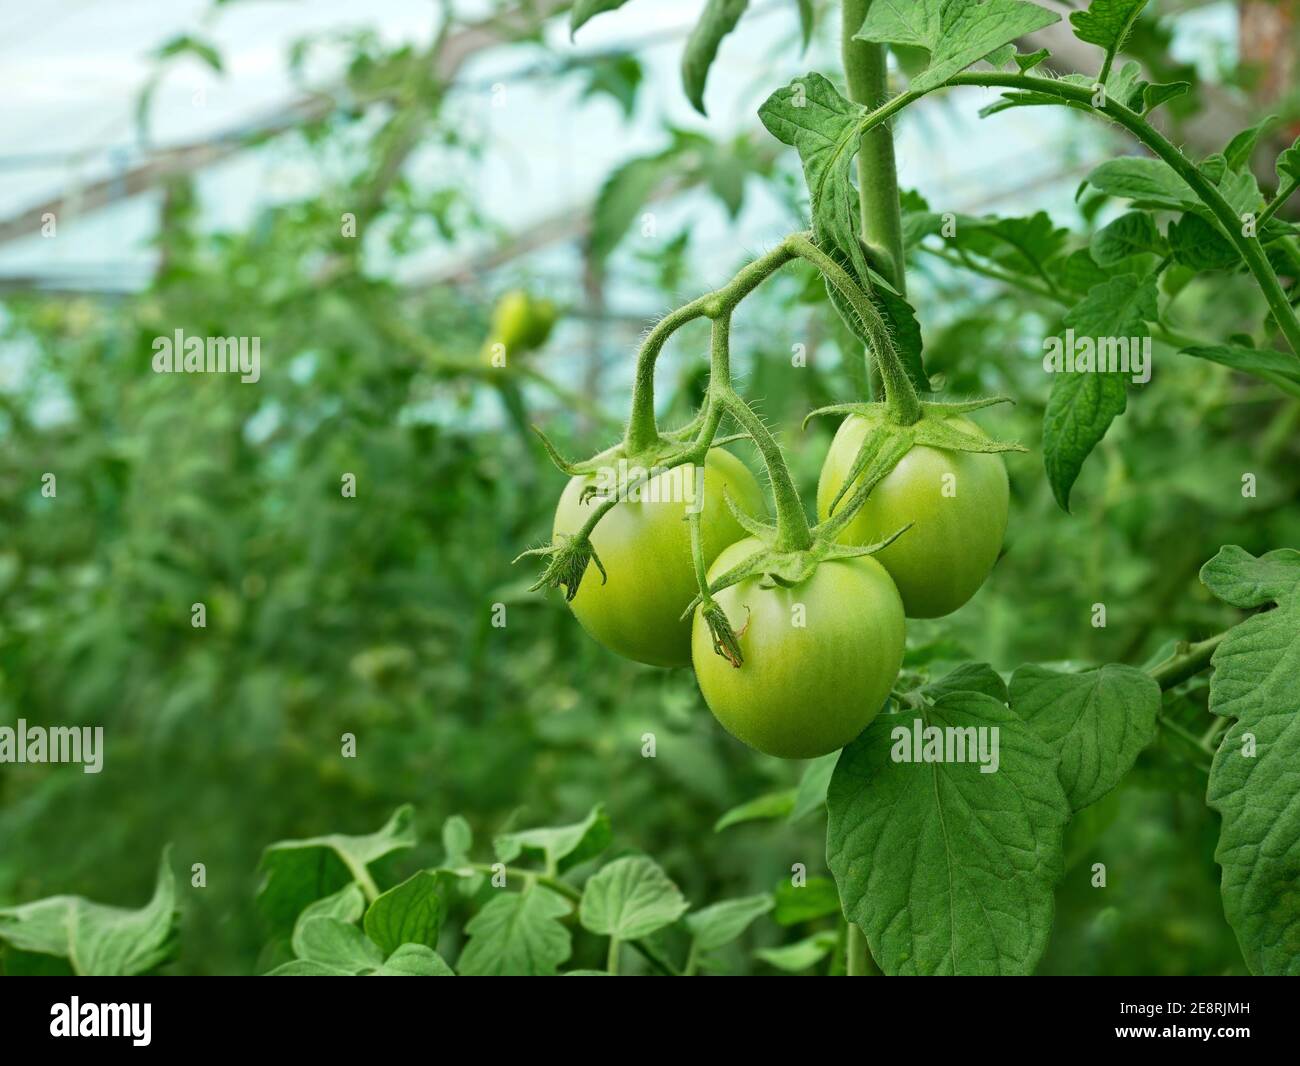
<point x="74" y="69"/>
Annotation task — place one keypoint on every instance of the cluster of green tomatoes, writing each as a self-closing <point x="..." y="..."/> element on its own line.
<point x="821" y="656"/>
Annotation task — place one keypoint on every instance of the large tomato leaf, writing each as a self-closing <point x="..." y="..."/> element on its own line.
<point x="955" y="34"/>
<point x="949" y="870"/>
<point x="1098" y="720"/>
<point x="1255" y="776"/>
<point x="518" y="934"/>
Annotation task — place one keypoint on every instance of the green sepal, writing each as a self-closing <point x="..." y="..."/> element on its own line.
<point x="882" y="448"/>
<point x="887" y="442"/>
<point x="754" y="526"/>
<point x="790" y="568"/>
<point x="587" y="466"/>
<point x="566" y="562"/>
<point x="941" y="434"/>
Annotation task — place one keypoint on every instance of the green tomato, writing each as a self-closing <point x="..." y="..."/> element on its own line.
<point x="819" y="658"/>
<point x="520" y="323"/>
<point x="645" y="546"/>
<point x="960" y="520"/>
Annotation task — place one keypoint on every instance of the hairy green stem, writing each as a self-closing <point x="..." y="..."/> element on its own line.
<point x="1283" y="195"/>
<point x="900" y="396"/>
<point x="642" y="430"/>
<point x="1185" y="663"/>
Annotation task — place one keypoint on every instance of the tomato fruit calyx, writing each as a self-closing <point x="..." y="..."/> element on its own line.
<point x="566" y="562"/>
<point x="887" y="441"/>
<point x="773" y="568"/>
<point x="616" y="474"/>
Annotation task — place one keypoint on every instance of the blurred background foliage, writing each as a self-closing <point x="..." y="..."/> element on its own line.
<point x="372" y="616"/>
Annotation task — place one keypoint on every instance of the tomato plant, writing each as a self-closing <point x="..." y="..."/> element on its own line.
<point x="290" y="601"/>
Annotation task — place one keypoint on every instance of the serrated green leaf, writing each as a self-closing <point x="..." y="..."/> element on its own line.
<point x="1021" y="245"/>
<point x="824" y="127"/>
<point x="347" y="905"/>
<point x="1132" y="234"/>
<point x="955" y="33"/>
<point x="409" y="913"/>
<point x="1253" y="775"/>
<point x="1083" y="404"/>
<point x="630" y="898"/>
<point x="517" y="934"/>
<point x="1198" y="244"/>
<point x="969" y="677"/>
<point x="721" y="923"/>
<point x="297" y="872"/>
<point x="1098" y="721"/>
<point x="718" y="19"/>
<point x="1078" y="272"/>
<point x="1106" y="24"/>
<point x="1151" y="182"/>
<point x="949" y="870"/>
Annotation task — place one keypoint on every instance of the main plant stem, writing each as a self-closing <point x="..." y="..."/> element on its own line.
<point x="856" y="957"/>
<point x="866" y="71"/>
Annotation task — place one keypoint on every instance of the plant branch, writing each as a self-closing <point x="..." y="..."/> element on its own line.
<point x="900" y="396"/>
<point x="642" y="431"/>
<point x="1187" y="660"/>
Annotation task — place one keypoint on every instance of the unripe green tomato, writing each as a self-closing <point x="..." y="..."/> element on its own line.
<point x="539" y="322"/>
<point x="520" y="323"/>
<point x="645" y="546"/>
<point x="510" y="320"/>
<point x="960" y="520"/>
<point x="819" y="659"/>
